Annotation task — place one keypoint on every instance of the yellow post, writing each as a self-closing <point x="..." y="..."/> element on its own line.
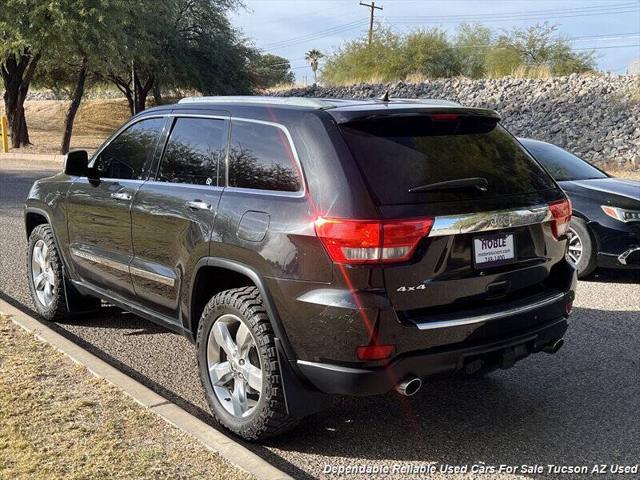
<point x="5" y="133"/>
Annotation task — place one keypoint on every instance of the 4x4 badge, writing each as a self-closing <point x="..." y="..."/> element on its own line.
<point x="411" y="289"/>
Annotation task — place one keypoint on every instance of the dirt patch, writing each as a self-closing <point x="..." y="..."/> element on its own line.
<point x="95" y="121"/>
<point x="59" y="421"/>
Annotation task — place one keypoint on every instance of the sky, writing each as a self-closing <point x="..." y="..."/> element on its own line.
<point x="290" y="28"/>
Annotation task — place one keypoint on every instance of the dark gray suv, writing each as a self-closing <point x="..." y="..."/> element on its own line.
<point x="311" y="247"/>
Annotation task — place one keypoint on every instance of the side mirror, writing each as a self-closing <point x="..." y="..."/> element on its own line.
<point x="76" y="163"/>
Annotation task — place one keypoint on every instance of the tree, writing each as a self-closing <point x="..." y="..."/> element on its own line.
<point x="357" y="61"/>
<point x="473" y="44"/>
<point x="25" y="34"/>
<point x="313" y="57"/>
<point x="185" y="43"/>
<point x="271" y="70"/>
<point x="538" y="46"/>
<point x="88" y="42"/>
<point x="428" y="53"/>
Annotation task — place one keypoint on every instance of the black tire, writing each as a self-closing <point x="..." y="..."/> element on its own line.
<point x="587" y="261"/>
<point x="57" y="309"/>
<point x="269" y="417"/>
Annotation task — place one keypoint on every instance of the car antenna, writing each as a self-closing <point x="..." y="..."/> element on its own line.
<point x="384" y="97"/>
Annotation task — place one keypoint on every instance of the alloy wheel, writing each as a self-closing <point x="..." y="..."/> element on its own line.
<point x="575" y="246"/>
<point x="42" y="273"/>
<point x="234" y="365"/>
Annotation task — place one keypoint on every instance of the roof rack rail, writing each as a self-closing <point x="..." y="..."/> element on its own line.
<point x="286" y="101"/>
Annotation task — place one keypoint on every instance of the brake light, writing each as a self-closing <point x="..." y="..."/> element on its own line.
<point x="375" y="352"/>
<point x="369" y="241"/>
<point x="444" y="117"/>
<point x="561" y="211"/>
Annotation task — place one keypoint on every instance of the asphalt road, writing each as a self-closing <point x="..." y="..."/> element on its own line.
<point x="579" y="407"/>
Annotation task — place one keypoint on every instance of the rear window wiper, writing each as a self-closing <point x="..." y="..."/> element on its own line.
<point x="479" y="183"/>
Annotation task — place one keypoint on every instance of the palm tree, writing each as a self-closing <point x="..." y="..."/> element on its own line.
<point x="313" y="57"/>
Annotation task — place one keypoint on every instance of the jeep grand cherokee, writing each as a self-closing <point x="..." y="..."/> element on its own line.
<point x="311" y="247"/>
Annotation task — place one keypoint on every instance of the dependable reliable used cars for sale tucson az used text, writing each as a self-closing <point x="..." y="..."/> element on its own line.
<point x="311" y="247"/>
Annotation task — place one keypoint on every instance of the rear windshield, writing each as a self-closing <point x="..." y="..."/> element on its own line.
<point x="396" y="154"/>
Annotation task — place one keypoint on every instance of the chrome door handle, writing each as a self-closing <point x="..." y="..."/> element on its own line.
<point x="121" y="196"/>
<point x="198" y="205"/>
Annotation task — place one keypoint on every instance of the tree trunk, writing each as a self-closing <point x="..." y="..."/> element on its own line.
<point x="138" y="102"/>
<point x="17" y="73"/>
<point x="157" y="94"/>
<point x="73" y="107"/>
<point x="142" y="91"/>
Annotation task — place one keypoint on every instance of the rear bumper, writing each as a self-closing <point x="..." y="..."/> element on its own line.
<point x="343" y="380"/>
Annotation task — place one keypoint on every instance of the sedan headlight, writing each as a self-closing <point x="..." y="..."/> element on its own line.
<point x="621" y="214"/>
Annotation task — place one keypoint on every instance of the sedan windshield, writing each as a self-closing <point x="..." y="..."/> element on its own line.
<point x="562" y="165"/>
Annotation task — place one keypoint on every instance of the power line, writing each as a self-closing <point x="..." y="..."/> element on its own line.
<point x="563" y="13"/>
<point x="316" y="35"/>
<point x="513" y="17"/>
<point x="591" y="8"/>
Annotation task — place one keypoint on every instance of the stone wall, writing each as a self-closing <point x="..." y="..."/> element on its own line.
<point x="596" y="117"/>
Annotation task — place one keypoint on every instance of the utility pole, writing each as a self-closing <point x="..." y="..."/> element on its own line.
<point x="373" y="8"/>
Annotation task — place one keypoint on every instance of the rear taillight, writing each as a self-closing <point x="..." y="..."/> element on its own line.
<point x="561" y="212"/>
<point x="369" y="241"/>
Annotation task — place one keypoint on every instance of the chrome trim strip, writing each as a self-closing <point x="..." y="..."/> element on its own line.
<point x="332" y="368"/>
<point x="122" y="267"/>
<point x="487" y="221"/>
<point x="100" y="260"/>
<point x="155" y="277"/>
<point x="491" y="316"/>
<point x="622" y="258"/>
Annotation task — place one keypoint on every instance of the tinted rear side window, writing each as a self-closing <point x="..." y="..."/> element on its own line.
<point x="260" y="157"/>
<point x="397" y="154"/>
<point x="194" y="152"/>
<point x="130" y="154"/>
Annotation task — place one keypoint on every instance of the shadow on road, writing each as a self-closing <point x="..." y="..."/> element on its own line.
<point x="614" y="276"/>
<point x="548" y="409"/>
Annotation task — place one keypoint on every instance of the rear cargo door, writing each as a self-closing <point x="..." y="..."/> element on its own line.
<point x="491" y="237"/>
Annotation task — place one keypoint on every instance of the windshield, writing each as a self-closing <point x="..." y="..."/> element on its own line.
<point x="562" y="165"/>
<point x="398" y="154"/>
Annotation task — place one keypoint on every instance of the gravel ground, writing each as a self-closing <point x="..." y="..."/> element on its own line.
<point x="579" y="407"/>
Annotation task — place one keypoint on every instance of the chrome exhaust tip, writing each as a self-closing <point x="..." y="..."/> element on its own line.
<point x="409" y="387"/>
<point x="553" y="347"/>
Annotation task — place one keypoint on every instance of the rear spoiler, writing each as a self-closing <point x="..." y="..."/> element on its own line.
<point x="358" y="114"/>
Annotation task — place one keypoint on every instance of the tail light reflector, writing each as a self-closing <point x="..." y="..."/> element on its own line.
<point x="375" y="352"/>
<point x="369" y="241"/>
<point x="561" y="211"/>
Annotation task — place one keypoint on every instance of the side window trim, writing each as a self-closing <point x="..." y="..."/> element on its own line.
<point x="173" y="117"/>
<point x="164" y="138"/>
<point x="160" y="148"/>
<point x="258" y="191"/>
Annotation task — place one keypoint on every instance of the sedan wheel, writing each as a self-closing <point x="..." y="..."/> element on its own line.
<point x="575" y="247"/>
<point x="234" y="366"/>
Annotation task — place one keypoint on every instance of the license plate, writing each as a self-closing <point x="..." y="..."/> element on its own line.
<point x="493" y="250"/>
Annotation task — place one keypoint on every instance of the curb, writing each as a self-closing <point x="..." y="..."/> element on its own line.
<point x="33" y="157"/>
<point x="211" y="438"/>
